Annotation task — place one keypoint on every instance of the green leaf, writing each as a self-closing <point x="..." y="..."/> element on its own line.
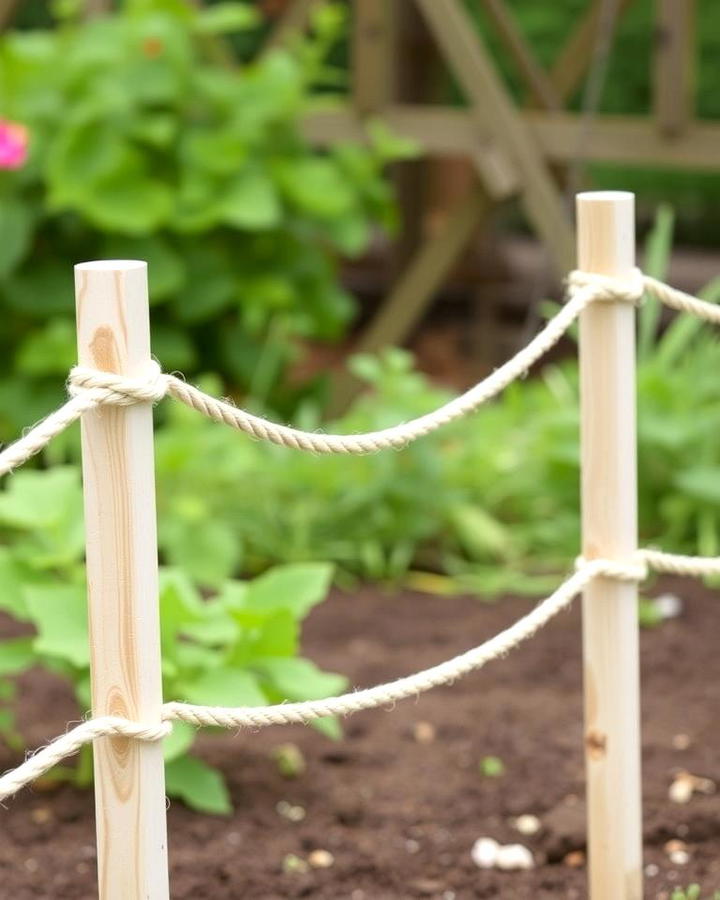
<point x="16" y="655"/>
<point x="128" y="201"/>
<point x="17" y="223"/>
<point x="50" y="350"/>
<point x="223" y="18"/>
<point x="296" y="588"/>
<point x="179" y="740"/>
<point x="299" y="679"/>
<point x="317" y="186"/>
<point x="12" y="598"/>
<point x="224" y="687"/>
<point x="198" y="785"/>
<point x="59" y="612"/>
<point x="329" y="726"/>
<point x="166" y="266"/>
<point x="209" y="553"/>
<point x="251" y="202"/>
<point x="38" y="500"/>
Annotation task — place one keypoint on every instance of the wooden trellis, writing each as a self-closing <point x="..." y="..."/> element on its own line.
<point x="516" y="149"/>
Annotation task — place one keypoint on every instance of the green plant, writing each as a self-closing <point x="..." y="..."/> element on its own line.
<point x="142" y="144"/>
<point x="691" y="892"/>
<point x="237" y="648"/>
<point x="491" y="501"/>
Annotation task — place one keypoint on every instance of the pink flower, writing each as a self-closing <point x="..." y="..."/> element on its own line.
<point x="13" y="144"/>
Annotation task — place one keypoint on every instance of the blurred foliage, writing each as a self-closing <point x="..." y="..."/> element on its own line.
<point x="144" y="144"/>
<point x="488" y="504"/>
<point x="628" y="90"/>
<point x="239" y="648"/>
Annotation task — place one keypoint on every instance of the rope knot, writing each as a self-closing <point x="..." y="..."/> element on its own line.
<point x="608" y="288"/>
<point x="633" y="569"/>
<point x="118" y="390"/>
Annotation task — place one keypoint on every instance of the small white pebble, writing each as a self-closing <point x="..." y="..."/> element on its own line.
<point x="681" y="741"/>
<point x="680" y="857"/>
<point x="651" y="870"/>
<point x="527" y="824"/>
<point x="685" y="784"/>
<point x="412" y="846"/>
<point x="31" y="864"/>
<point x="485" y="853"/>
<point x="424" y="732"/>
<point x="514" y="856"/>
<point x="668" y="606"/>
<point x="674" y="844"/>
<point x="290" y="812"/>
<point x="681" y="789"/>
<point x="448" y="895"/>
<point x="321" y="859"/>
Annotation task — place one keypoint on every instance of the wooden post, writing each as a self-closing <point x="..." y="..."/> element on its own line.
<point x="675" y="52"/>
<point x="119" y="487"/>
<point x="606" y="246"/>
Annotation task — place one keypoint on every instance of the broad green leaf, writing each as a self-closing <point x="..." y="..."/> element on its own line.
<point x="16" y="655"/>
<point x="179" y="740"/>
<point x="224" y="687"/>
<point x="316" y="186"/>
<point x="197" y="784"/>
<point x="128" y="201"/>
<point x="50" y="350"/>
<point x="12" y="598"/>
<point x="37" y="500"/>
<point x="296" y="588"/>
<point x="208" y="552"/>
<point x="329" y="726"/>
<point x="299" y="679"/>
<point x="701" y="483"/>
<point x="223" y="18"/>
<point x="59" y="612"/>
<point x="215" y="627"/>
<point x="166" y="267"/>
<point x="180" y="603"/>
<point x="251" y="202"/>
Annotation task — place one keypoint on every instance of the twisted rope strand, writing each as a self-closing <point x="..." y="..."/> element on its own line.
<point x="444" y="673"/>
<point x="90" y="388"/>
<point x="68" y="744"/>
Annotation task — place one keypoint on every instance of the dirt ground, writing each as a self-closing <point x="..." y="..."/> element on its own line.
<point x="400" y="801"/>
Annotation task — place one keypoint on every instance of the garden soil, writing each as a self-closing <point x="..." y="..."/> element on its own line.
<point x="399" y="802"/>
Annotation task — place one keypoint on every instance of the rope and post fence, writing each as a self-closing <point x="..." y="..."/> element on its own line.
<point x="113" y="389"/>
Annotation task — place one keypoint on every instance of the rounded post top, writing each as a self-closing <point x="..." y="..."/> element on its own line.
<point x="111" y="265"/>
<point x="605" y="197"/>
<point x="606" y="232"/>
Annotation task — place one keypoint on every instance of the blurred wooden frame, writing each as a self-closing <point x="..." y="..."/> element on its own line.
<point x="513" y="147"/>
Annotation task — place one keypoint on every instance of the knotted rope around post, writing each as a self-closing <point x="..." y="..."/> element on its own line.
<point x="90" y="388"/>
<point x="384" y="695"/>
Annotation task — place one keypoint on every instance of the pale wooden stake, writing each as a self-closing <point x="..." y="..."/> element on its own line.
<point x="606" y="246"/>
<point x="119" y="487"/>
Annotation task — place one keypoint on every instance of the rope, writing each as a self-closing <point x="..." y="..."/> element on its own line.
<point x="90" y="388"/>
<point x="445" y="673"/>
<point x="68" y="744"/>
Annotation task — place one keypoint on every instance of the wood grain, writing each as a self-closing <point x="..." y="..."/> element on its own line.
<point x="606" y="246"/>
<point x="119" y="490"/>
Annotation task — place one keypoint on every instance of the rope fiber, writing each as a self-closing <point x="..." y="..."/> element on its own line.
<point x="90" y="389"/>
